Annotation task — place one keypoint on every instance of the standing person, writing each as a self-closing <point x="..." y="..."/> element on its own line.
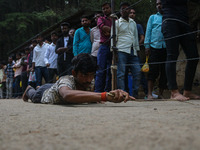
<point x="143" y="80"/>
<point x="18" y="71"/>
<point x="72" y="32"/>
<point x="155" y="48"/>
<point x="2" y="76"/>
<point x="4" y="79"/>
<point x="82" y="43"/>
<point x="175" y="22"/>
<point x="9" y="78"/>
<point x="51" y="57"/>
<point x="95" y="38"/>
<point x="64" y="49"/>
<point x="30" y="60"/>
<point x="127" y="44"/>
<point x="24" y="75"/>
<point x="75" y="88"/>
<point x="38" y="64"/>
<point x="104" y="55"/>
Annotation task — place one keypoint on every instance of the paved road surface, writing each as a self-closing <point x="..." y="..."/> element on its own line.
<point x="163" y="125"/>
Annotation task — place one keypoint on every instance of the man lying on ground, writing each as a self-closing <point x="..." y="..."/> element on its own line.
<point x="75" y="88"/>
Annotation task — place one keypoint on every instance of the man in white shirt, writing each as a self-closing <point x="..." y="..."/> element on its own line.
<point x="127" y="44"/>
<point x="51" y="57"/>
<point x="38" y="63"/>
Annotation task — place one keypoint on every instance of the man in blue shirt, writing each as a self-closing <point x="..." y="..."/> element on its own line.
<point x="156" y="49"/>
<point x="82" y="43"/>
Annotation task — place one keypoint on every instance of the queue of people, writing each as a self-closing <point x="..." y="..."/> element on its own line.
<point x="59" y="59"/>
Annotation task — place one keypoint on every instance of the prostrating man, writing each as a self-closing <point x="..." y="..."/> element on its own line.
<point x="104" y="56"/>
<point x="51" y="57"/>
<point x="64" y="49"/>
<point x="38" y="64"/>
<point x="155" y="48"/>
<point x="75" y="88"/>
<point x="175" y="22"/>
<point x="127" y="44"/>
<point x="82" y="43"/>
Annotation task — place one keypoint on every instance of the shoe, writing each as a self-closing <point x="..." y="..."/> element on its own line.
<point x="25" y="97"/>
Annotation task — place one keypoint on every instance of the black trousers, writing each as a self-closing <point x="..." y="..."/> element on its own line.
<point x="171" y="28"/>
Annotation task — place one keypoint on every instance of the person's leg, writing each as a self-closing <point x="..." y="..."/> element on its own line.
<point x="135" y="70"/>
<point x="45" y="74"/>
<point x="153" y="71"/>
<point x="163" y="79"/>
<point x="171" y="29"/>
<point x="10" y="87"/>
<point x="1" y="92"/>
<point x="101" y="72"/>
<point x="189" y="46"/>
<point x="51" y="75"/>
<point x="7" y="88"/>
<point x="35" y="95"/>
<point x="38" y="76"/>
<point x="121" y="66"/>
<point x="24" y="80"/>
<point x="17" y="86"/>
<point x="108" y="72"/>
<point x="126" y="79"/>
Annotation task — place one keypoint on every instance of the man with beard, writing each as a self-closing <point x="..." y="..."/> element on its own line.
<point x="75" y="88"/>
<point x="64" y="48"/>
<point x="82" y="43"/>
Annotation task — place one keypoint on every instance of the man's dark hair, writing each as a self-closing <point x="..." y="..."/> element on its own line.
<point x="106" y="3"/>
<point x="84" y="63"/>
<point x="124" y="4"/>
<point x="34" y="41"/>
<point x="54" y="33"/>
<point x="65" y="24"/>
<point x="84" y="16"/>
<point x="26" y="48"/>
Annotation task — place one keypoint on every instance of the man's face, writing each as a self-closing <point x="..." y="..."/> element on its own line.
<point x="132" y="14"/>
<point x="159" y="6"/>
<point x="71" y="32"/>
<point x="65" y="30"/>
<point x="125" y="11"/>
<point x="106" y="10"/>
<point x="84" y="80"/>
<point x="85" y="22"/>
<point x="54" y="37"/>
<point x="97" y="16"/>
<point x="39" y="39"/>
<point x="10" y="60"/>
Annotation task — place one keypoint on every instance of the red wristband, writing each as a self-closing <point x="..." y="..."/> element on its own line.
<point x="103" y="96"/>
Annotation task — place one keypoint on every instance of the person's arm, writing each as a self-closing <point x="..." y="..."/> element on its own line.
<point x="147" y="39"/>
<point x="46" y="56"/>
<point x="78" y="97"/>
<point x="76" y="43"/>
<point x="141" y="34"/>
<point x="33" y="61"/>
<point x="105" y="29"/>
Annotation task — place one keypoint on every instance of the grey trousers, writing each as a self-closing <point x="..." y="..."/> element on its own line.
<point x="36" y="95"/>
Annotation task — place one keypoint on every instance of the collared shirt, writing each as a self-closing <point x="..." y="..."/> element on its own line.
<point x="81" y="43"/>
<point x="127" y="36"/>
<point x="53" y="96"/>
<point x="104" y="21"/>
<point x="9" y="70"/>
<point x="95" y="39"/>
<point x="51" y="56"/>
<point x="38" y="55"/>
<point x="154" y="35"/>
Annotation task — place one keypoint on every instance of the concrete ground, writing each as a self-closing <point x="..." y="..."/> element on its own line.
<point x="157" y="125"/>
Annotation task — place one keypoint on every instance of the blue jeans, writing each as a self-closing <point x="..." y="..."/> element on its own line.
<point x="172" y="28"/>
<point x="41" y="72"/>
<point x="36" y="95"/>
<point x="103" y="74"/>
<point x="123" y="60"/>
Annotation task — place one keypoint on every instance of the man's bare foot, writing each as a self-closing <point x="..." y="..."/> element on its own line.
<point x="25" y="97"/>
<point x="177" y="96"/>
<point x="191" y="95"/>
<point x="150" y="97"/>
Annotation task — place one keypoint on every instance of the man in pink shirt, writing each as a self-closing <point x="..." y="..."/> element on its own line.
<point x="104" y="56"/>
